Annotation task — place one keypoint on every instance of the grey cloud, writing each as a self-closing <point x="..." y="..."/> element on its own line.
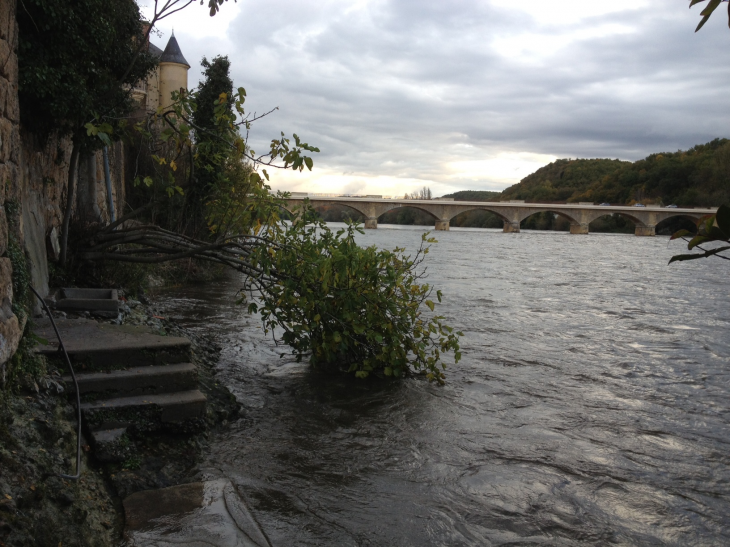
<point x="392" y="87"/>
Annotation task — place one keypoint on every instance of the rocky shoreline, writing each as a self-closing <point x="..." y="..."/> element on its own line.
<point x="38" y="441"/>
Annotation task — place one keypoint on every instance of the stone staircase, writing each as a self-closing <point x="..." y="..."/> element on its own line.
<point x="130" y="380"/>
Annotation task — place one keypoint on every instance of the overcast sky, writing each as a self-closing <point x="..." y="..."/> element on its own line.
<point x="465" y="94"/>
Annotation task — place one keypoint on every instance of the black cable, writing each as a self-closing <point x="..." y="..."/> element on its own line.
<point x="62" y="348"/>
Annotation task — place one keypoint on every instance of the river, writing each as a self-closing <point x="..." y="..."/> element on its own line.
<point x="591" y="406"/>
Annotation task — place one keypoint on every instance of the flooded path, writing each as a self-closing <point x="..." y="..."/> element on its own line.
<point x="592" y="405"/>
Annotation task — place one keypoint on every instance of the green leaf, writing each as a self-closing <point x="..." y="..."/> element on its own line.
<point x="681" y="233"/>
<point x="430" y="305"/>
<point x="697" y="240"/>
<point x="707" y="12"/>
<point x="722" y="217"/>
<point x="712" y="6"/>
<point x="104" y="138"/>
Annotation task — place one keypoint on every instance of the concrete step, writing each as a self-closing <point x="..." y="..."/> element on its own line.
<point x="181" y="411"/>
<point x="137" y="380"/>
<point x="95" y="347"/>
<point x="102" y="302"/>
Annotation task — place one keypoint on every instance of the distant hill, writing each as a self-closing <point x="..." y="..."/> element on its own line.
<point x="699" y="176"/>
<point x="562" y="180"/>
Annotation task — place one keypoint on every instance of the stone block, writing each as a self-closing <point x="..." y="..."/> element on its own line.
<point x="10" y="328"/>
<point x="14" y="143"/>
<point x="7" y="19"/>
<point x="9" y="183"/>
<point x="110" y="445"/>
<point x="6" y="279"/>
<point x="3" y="231"/>
<point x="9" y="141"/>
<point x="511" y="227"/>
<point x="4" y="91"/>
<point x="6" y="51"/>
<point x="6" y="136"/>
<point x="8" y="63"/>
<point x="579" y="228"/>
<point x="12" y="104"/>
<point x="645" y="231"/>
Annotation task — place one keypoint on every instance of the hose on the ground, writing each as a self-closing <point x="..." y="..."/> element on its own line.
<point x="62" y="348"/>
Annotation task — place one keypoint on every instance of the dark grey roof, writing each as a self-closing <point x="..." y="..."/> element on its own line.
<point x="154" y="50"/>
<point x="172" y="53"/>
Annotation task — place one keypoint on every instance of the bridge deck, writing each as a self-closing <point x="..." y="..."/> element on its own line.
<point x="508" y="204"/>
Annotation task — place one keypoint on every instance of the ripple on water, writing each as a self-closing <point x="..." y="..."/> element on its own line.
<point x="591" y="406"/>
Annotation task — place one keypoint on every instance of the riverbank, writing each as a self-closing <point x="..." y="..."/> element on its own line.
<point x="38" y="441"/>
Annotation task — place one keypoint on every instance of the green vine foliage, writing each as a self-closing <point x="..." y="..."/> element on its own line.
<point x="76" y="59"/>
<point x="25" y="361"/>
<point x="351" y="308"/>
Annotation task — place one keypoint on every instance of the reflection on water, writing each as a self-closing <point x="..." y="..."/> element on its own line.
<point x="591" y="406"/>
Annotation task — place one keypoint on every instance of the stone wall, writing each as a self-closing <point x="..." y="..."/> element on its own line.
<point x="33" y="185"/>
<point x="10" y="328"/>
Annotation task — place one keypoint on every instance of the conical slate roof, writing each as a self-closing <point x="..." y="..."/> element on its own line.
<point x="172" y="53"/>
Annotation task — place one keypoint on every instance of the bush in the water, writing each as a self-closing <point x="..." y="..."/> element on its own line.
<point x="351" y="308"/>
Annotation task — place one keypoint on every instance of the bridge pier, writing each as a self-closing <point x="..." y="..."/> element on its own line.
<point x="442" y="225"/>
<point x="371" y="224"/>
<point x="511" y="227"/>
<point x="579" y="228"/>
<point x="645" y="230"/>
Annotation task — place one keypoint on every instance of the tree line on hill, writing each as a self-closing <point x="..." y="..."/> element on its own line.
<point x="696" y="177"/>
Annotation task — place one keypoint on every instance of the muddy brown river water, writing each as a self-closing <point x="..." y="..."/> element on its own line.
<point x="592" y="405"/>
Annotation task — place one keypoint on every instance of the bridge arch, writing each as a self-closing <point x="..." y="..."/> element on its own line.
<point x="497" y="216"/>
<point x="318" y="206"/>
<point x="527" y="213"/>
<point x="486" y="208"/>
<point x="614" y="221"/>
<point x="673" y="223"/>
<point x="408" y="207"/>
<point x="600" y="214"/>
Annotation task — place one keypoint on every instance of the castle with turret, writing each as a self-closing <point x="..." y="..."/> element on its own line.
<point x="170" y="75"/>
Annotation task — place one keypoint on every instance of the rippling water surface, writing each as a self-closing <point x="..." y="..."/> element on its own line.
<point x="591" y="406"/>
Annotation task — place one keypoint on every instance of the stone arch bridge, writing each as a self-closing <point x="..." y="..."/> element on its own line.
<point x="512" y="213"/>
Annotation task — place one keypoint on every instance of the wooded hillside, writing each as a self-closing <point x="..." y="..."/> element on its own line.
<point x="699" y="176"/>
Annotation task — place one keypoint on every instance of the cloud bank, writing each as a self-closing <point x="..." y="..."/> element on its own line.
<point x="459" y="94"/>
